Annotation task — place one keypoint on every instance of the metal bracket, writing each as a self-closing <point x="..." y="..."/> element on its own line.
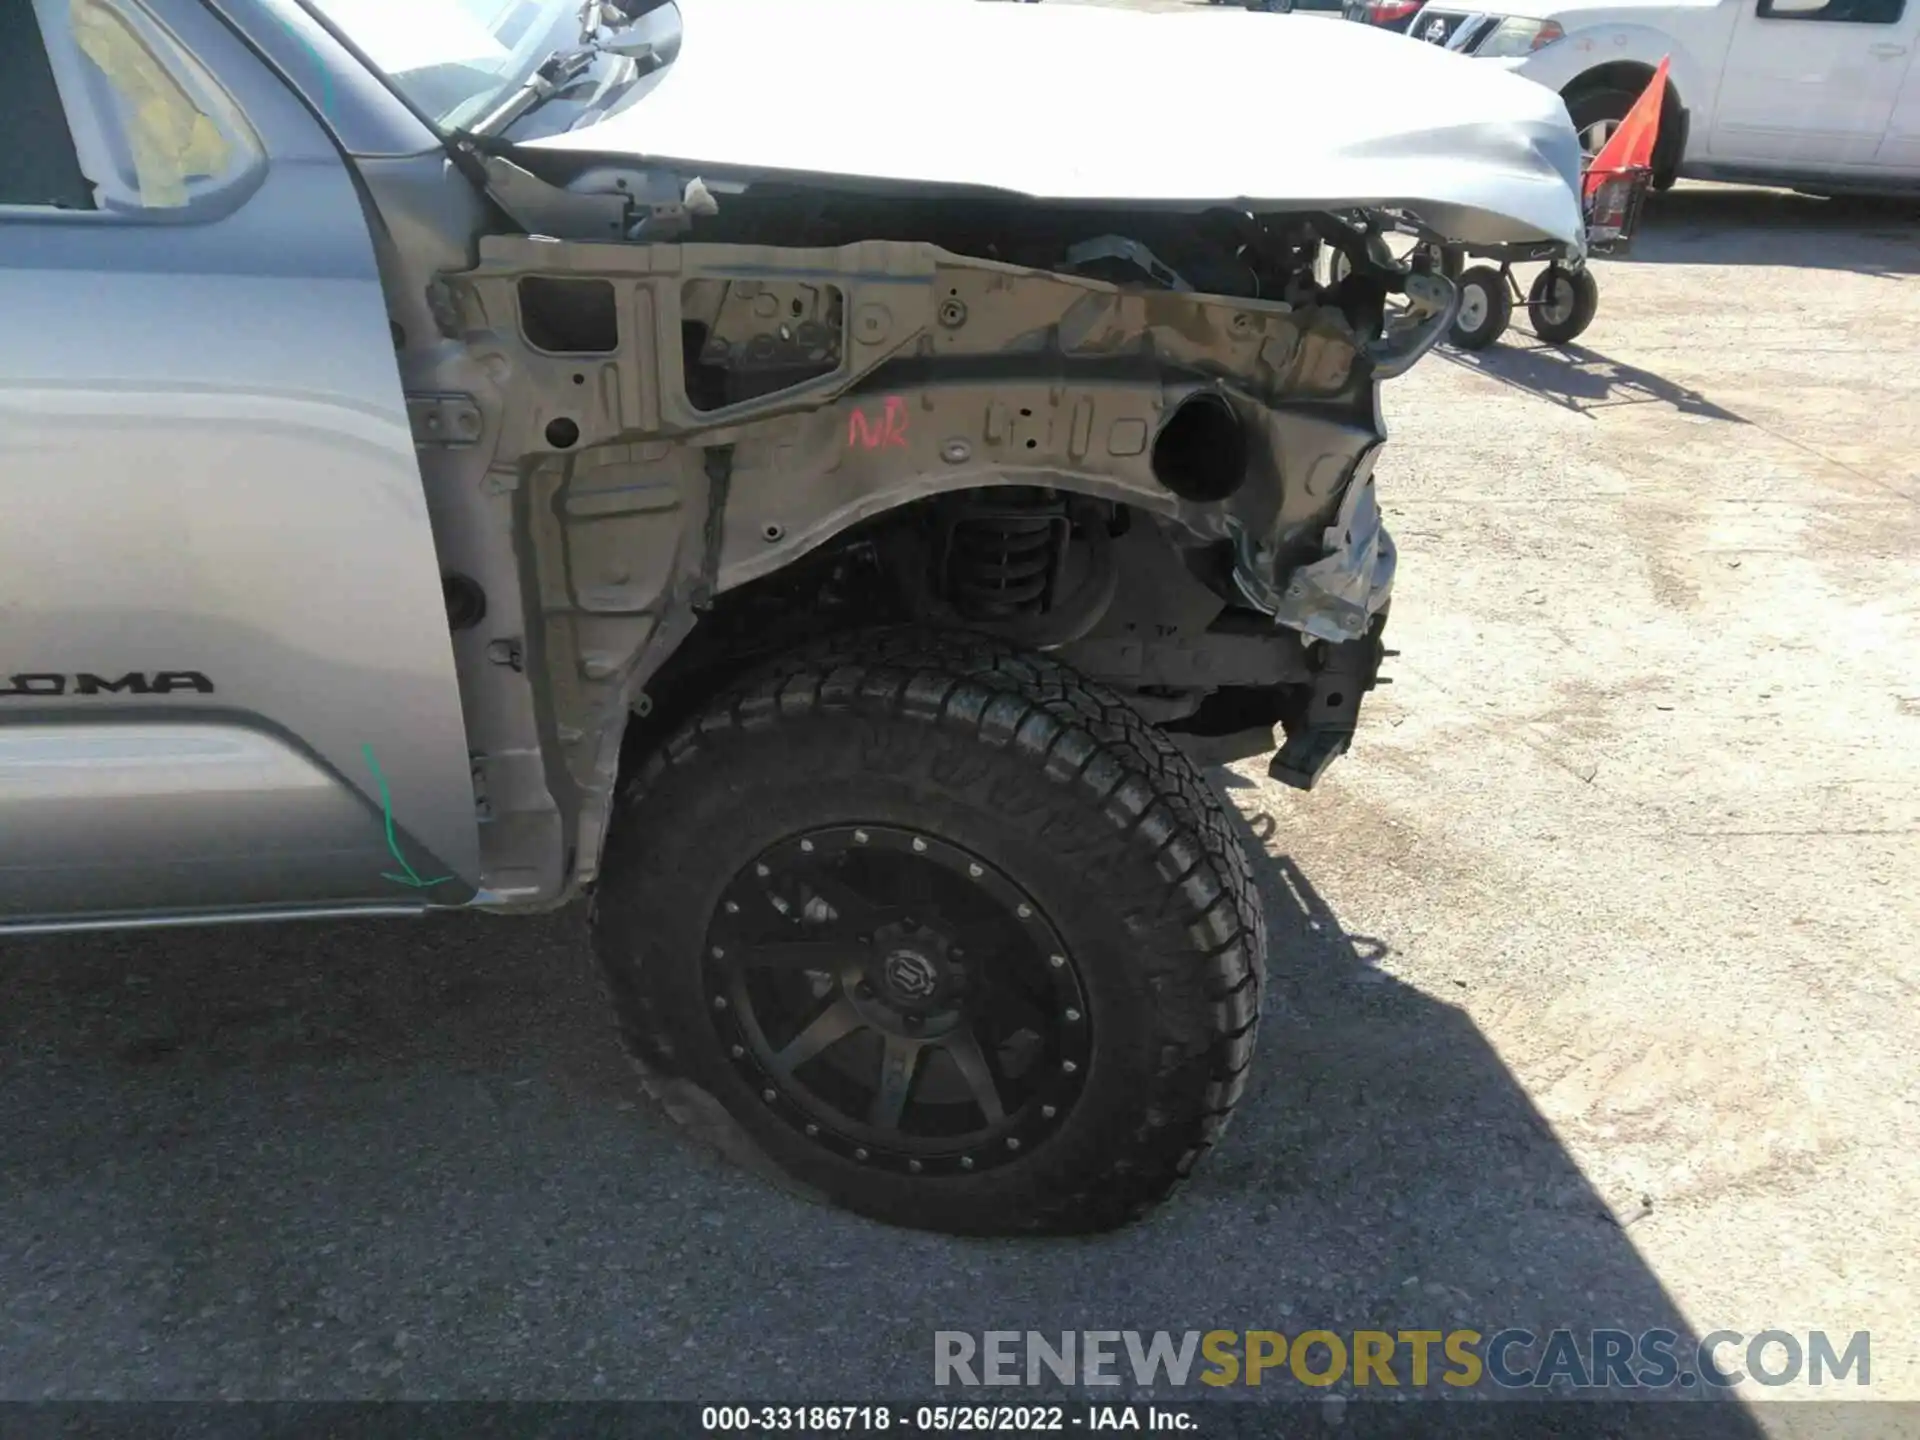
<point x="543" y="209"/>
<point x="1323" y="733"/>
<point x="451" y="421"/>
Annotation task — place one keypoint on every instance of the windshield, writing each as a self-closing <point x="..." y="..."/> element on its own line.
<point x="455" y="59"/>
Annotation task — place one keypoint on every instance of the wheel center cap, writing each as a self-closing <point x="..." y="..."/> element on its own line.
<point x="910" y="976"/>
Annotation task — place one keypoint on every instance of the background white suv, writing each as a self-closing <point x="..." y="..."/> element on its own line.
<point x="1822" y="95"/>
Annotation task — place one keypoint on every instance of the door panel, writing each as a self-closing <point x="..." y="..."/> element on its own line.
<point x="206" y="469"/>
<point x="1807" y="88"/>
<point x="1901" y="148"/>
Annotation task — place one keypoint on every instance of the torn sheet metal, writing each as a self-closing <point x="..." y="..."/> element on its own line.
<point x="171" y="139"/>
<point x="1336" y="597"/>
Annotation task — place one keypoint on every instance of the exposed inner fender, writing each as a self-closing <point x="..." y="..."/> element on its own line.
<point x="898" y="370"/>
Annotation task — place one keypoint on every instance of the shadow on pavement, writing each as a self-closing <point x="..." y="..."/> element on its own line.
<point x="1701" y="224"/>
<point x="375" y="1162"/>
<point x="1581" y="380"/>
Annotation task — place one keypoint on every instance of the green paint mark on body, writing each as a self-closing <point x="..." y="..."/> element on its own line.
<point x="326" y="76"/>
<point x="411" y="879"/>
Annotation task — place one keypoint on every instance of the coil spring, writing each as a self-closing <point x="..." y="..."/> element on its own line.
<point x="1001" y="563"/>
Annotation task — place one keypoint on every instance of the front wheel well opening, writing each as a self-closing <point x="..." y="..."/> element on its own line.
<point x="1034" y="566"/>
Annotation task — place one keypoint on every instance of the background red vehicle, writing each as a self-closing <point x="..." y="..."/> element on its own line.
<point x="1395" y="15"/>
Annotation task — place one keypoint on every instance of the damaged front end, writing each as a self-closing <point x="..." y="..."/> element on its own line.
<point x="1143" y="441"/>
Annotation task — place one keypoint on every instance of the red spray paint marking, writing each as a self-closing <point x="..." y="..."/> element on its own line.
<point x="890" y="429"/>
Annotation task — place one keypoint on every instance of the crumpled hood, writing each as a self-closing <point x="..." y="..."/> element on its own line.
<point x="1085" y="103"/>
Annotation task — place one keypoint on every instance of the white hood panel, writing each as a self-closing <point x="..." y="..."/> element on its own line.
<point x="1083" y="103"/>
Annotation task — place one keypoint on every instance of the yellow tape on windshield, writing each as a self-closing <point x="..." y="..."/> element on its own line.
<point x="171" y="140"/>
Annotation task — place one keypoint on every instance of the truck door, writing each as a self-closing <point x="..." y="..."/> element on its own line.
<point x="1810" y="83"/>
<point x="1900" y="150"/>
<point x="226" y="679"/>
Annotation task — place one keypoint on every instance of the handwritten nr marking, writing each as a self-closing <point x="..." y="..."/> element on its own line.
<point x="889" y="430"/>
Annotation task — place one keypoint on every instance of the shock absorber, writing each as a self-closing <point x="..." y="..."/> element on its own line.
<point x="1002" y="554"/>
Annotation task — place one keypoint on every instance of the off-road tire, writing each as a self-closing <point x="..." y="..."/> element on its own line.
<point x="1050" y="778"/>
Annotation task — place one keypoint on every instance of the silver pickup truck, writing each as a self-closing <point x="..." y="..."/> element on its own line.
<point x="804" y="476"/>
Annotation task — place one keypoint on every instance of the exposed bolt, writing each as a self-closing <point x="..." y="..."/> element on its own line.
<point x="1013" y="1142"/>
<point x="1068" y="1066"/>
<point x="718" y="953"/>
<point x="1057" y="961"/>
<point x="859" y="837"/>
<point x="1049" y="1111"/>
<point x="807" y="846"/>
<point x="733" y="907"/>
<point x="860" y="1154"/>
<point x="719" y="1002"/>
<point x="1025" y="912"/>
<point x="762" y="871"/>
<point x="975" y="871"/>
<point x="1072" y="1014"/>
<point x="966" y="1162"/>
<point x="738" y="1051"/>
<point x="919" y="844"/>
<point x="767" y="1095"/>
<point x="915" y="1166"/>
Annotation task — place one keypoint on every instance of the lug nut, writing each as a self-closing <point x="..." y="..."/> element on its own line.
<point x="813" y="1130"/>
<point x="1025" y="912"/>
<point x="719" y="1002"/>
<point x="859" y="837"/>
<point x="733" y="907"/>
<point x="1013" y="1142"/>
<point x="767" y="1095"/>
<point x="915" y="1166"/>
<point x="1049" y="1111"/>
<point x="738" y="1051"/>
<point x="919" y="844"/>
<point x="860" y="1154"/>
<point x="1068" y="1066"/>
<point x="806" y="846"/>
<point x="966" y="1162"/>
<point x="975" y="871"/>
<point x="1073" y="1014"/>
<point x="762" y="871"/>
<point x="718" y="953"/>
<point x="1058" y="962"/>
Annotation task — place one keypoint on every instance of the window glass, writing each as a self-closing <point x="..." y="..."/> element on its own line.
<point x="147" y="127"/>
<point x="38" y="164"/>
<point x="1845" y="12"/>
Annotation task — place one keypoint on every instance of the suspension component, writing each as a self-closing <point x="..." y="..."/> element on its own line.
<point x="1002" y="553"/>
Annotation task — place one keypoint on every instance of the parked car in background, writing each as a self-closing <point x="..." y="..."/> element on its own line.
<point x="1820" y="95"/>
<point x="1394" y="15"/>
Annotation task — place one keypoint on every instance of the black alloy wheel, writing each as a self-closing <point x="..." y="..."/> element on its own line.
<point x="897" y="1000"/>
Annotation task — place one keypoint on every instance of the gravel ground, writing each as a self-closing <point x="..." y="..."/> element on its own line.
<point x="1594" y="975"/>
